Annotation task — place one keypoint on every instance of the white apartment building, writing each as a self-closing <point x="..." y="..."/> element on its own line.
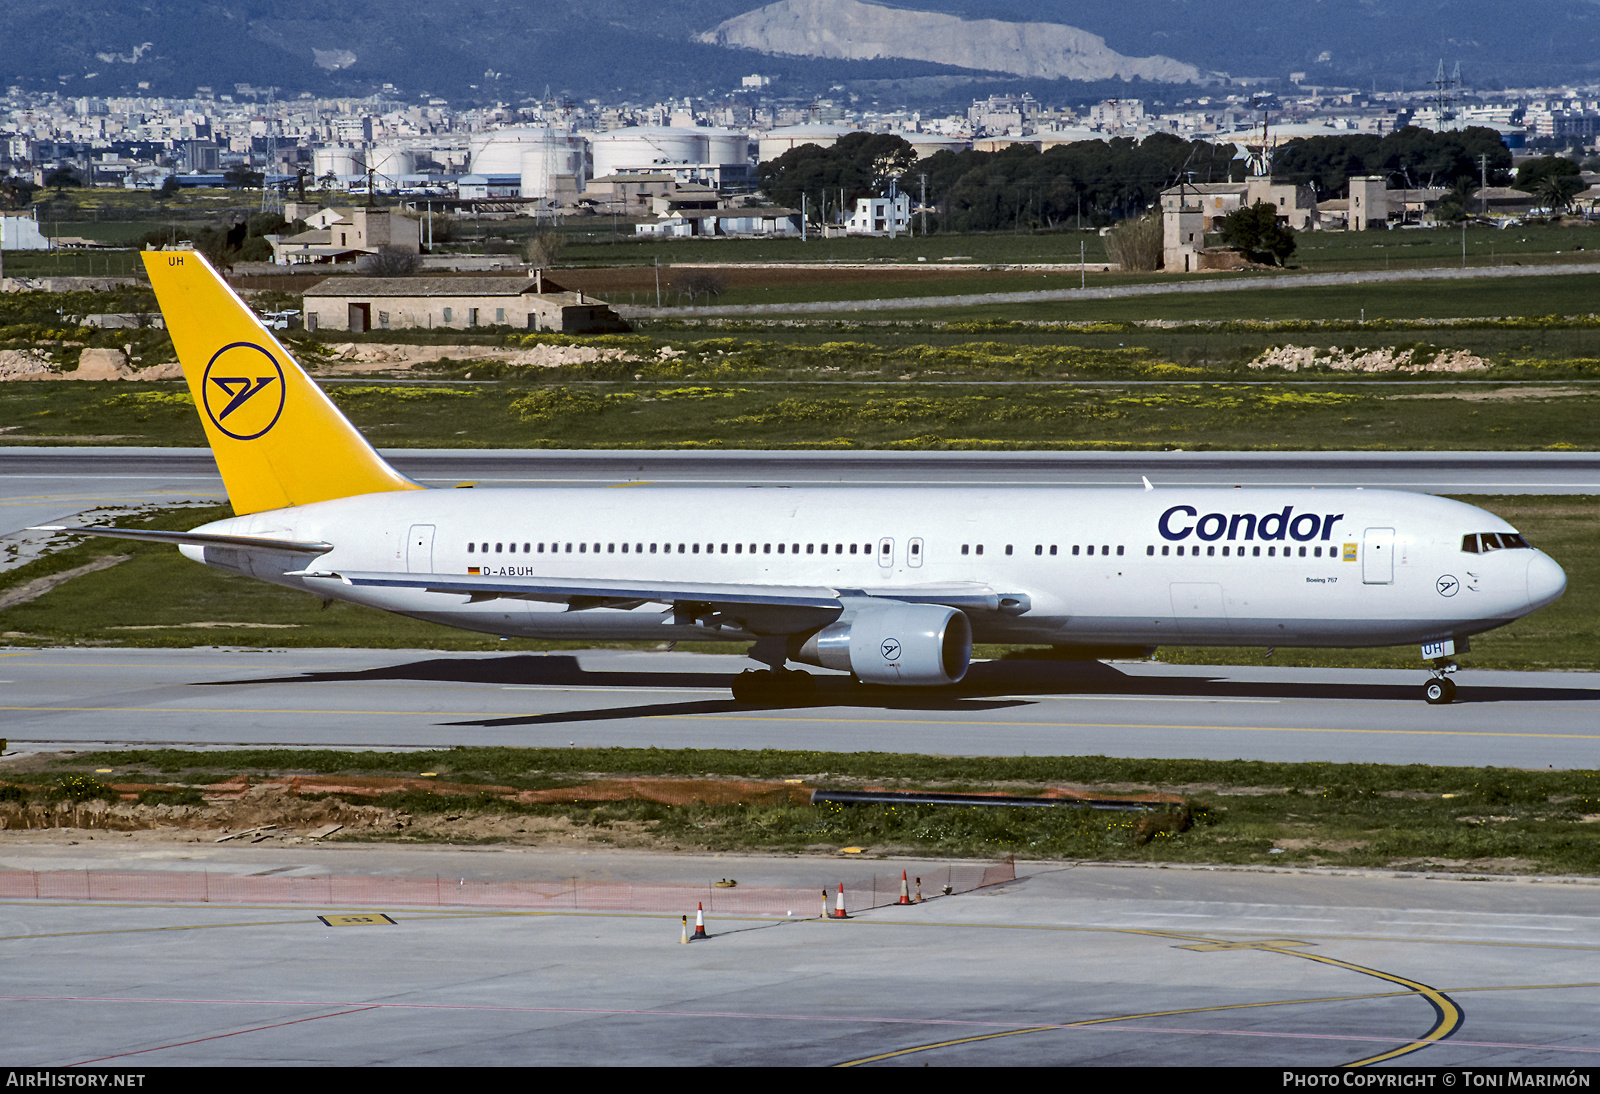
<point x="880" y="216"/>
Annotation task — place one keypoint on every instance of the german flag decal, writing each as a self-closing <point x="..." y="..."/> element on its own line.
<point x="474" y="569"/>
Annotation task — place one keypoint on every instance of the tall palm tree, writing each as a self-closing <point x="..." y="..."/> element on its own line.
<point x="1557" y="191"/>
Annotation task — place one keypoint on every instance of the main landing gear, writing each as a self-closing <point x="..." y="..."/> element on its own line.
<point x="1441" y="689"/>
<point x="774" y="684"/>
<point x="758" y="686"/>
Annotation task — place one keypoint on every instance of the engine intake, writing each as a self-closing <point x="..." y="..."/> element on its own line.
<point x="917" y="644"/>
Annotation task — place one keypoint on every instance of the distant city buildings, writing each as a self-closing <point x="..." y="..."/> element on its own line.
<point x="560" y="157"/>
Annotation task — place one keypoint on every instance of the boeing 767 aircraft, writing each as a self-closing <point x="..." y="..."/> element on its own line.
<point x="891" y="584"/>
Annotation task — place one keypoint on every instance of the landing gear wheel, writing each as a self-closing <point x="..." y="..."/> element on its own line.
<point x="798" y="684"/>
<point x="1439" y="691"/>
<point x="761" y="686"/>
<point x="753" y="686"/>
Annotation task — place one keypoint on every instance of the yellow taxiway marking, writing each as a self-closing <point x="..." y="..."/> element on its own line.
<point x="1129" y="725"/>
<point x="1447" y="1015"/>
<point x="375" y="919"/>
<point x="136" y="930"/>
<point x="620" y="485"/>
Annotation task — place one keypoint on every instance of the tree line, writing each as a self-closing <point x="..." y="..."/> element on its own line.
<point x="1096" y="183"/>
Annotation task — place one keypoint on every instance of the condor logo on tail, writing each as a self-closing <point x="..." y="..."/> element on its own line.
<point x="235" y="380"/>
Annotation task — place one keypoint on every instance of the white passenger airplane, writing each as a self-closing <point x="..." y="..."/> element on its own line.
<point x="893" y="585"/>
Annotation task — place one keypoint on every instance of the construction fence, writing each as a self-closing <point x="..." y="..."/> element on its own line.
<point x="571" y="894"/>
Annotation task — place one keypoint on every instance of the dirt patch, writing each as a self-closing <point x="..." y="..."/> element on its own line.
<point x="1296" y="358"/>
<point x="36" y="588"/>
<point x="301" y="808"/>
<point x="1330" y="845"/>
<point x="1469" y="865"/>
<point x="26" y="364"/>
<point x="208" y="625"/>
<point x="358" y="358"/>
<point x="93" y="364"/>
<point x="1500" y="394"/>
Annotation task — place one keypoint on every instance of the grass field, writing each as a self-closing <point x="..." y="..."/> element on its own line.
<point x="1343" y="815"/>
<point x="158" y="598"/>
<point x="738" y="414"/>
<point x="1511" y="296"/>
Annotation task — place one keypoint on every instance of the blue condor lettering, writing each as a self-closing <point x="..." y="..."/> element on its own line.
<point x="1273" y="526"/>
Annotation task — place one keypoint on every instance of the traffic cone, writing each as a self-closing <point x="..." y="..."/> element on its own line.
<point x="700" y="921"/>
<point x="838" y="909"/>
<point x="905" y="891"/>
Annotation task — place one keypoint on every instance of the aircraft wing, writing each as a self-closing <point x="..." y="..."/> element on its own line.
<point x="759" y="609"/>
<point x="196" y="539"/>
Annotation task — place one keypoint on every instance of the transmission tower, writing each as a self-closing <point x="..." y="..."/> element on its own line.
<point x="1446" y="94"/>
<point x="271" y="198"/>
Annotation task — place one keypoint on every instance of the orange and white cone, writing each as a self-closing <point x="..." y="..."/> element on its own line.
<point x="905" y="890"/>
<point x="838" y="909"/>
<point x="700" y="921"/>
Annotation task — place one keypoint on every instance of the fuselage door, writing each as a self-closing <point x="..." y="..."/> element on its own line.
<point x="886" y="552"/>
<point x="914" y="552"/>
<point x="1377" y="556"/>
<point x="419" y="549"/>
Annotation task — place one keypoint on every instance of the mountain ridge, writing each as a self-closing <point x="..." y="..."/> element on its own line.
<point x="507" y="50"/>
<point x="859" y="31"/>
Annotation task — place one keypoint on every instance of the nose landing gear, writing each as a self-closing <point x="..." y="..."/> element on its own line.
<point x="1441" y="655"/>
<point x="1441" y="689"/>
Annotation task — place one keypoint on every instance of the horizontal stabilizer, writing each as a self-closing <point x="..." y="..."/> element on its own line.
<point x="197" y="539"/>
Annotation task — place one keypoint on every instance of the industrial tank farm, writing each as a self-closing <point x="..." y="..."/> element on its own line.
<point x="547" y="160"/>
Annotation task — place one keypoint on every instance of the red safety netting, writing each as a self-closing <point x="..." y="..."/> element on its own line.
<point x="860" y="893"/>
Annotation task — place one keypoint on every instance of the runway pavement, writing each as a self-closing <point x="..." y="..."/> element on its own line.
<point x="1092" y="965"/>
<point x="208" y="698"/>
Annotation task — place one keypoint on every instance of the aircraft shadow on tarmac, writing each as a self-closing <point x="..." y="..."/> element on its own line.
<point x="992" y="685"/>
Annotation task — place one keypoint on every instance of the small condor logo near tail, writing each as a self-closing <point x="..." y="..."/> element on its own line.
<point x="243" y="390"/>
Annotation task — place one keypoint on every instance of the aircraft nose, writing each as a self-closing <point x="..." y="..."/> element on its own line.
<point x="1546" y="580"/>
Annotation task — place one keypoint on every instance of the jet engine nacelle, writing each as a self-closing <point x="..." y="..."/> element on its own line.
<point x="919" y="644"/>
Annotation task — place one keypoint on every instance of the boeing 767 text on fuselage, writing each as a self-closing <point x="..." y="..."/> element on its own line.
<point x="891" y="584"/>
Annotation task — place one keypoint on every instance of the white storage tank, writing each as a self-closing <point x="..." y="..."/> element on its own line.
<point x="775" y="142"/>
<point x="391" y="161"/>
<point x="727" y="146"/>
<point x="500" y="151"/>
<point x="927" y="144"/>
<point x="640" y="148"/>
<point x="338" y="159"/>
<point x="553" y="168"/>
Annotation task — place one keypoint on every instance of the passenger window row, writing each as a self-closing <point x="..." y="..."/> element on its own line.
<point x="1475" y="543"/>
<point x="1255" y="552"/>
<point x="1490" y="541"/>
<point x="668" y="548"/>
<point x="1040" y="549"/>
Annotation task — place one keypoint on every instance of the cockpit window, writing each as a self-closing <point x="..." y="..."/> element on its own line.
<point x="1475" y="543"/>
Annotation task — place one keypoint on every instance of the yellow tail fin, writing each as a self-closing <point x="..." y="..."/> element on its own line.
<point x="278" y="440"/>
